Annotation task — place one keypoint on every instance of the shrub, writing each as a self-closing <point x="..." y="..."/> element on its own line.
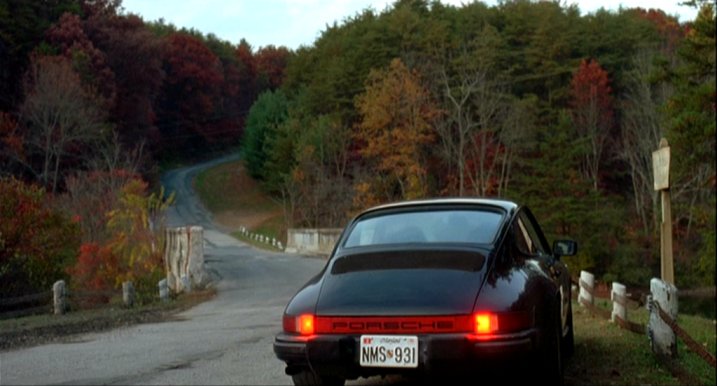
<point x="37" y="242"/>
<point x="133" y="248"/>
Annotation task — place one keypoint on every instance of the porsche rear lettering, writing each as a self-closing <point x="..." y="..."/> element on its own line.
<point x="393" y="326"/>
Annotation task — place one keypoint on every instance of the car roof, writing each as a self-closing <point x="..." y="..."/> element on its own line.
<point x="508" y="206"/>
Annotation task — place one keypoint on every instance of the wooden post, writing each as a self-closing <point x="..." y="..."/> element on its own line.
<point x="59" y="292"/>
<point x="587" y="284"/>
<point x="617" y="295"/>
<point x="662" y="338"/>
<point x="667" y="268"/>
<point x="661" y="169"/>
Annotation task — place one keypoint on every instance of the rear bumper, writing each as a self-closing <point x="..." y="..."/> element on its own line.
<point x="338" y="355"/>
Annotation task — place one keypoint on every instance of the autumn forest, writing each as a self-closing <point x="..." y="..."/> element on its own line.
<point x="532" y="101"/>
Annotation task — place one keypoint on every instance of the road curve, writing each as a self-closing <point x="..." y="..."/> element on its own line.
<point x="227" y="340"/>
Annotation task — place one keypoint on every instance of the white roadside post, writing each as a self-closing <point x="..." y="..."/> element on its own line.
<point x="186" y="284"/>
<point x="587" y="284"/>
<point x="196" y="269"/>
<point x="59" y="292"/>
<point x="662" y="338"/>
<point x="163" y="290"/>
<point x="617" y="295"/>
<point x="128" y="293"/>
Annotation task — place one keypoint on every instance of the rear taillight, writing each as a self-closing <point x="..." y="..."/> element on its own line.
<point x="302" y="324"/>
<point x="485" y="323"/>
<point x="305" y="324"/>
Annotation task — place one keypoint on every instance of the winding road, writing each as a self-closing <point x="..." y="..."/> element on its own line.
<point x="227" y="340"/>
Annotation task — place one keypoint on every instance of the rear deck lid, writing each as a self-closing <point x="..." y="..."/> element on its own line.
<point x="403" y="280"/>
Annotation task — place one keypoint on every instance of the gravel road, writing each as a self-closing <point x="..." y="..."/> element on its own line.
<point x="227" y="340"/>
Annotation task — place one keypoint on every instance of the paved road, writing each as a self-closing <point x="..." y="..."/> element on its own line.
<point x="227" y="340"/>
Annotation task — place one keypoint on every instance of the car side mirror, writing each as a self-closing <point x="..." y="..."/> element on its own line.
<point x="564" y="248"/>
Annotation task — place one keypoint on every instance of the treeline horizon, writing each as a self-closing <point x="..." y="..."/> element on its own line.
<point x="143" y="88"/>
<point x="523" y="100"/>
<point x="93" y="101"/>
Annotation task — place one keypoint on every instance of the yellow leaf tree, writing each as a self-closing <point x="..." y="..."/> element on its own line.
<point x="137" y="242"/>
<point x="394" y="131"/>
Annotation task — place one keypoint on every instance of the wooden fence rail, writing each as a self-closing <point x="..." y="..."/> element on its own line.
<point x="57" y="300"/>
<point x="25" y="299"/>
<point x="26" y="311"/>
<point x="16" y="308"/>
<point x="620" y="302"/>
<point x="705" y="292"/>
<point x="689" y="341"/>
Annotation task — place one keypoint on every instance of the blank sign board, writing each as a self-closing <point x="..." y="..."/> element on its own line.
<point x="661" y="168"/>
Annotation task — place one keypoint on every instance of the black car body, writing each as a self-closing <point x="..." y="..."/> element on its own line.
<point x="432" y="286"/>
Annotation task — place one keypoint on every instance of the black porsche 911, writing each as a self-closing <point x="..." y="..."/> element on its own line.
<point x="433" y="286"/>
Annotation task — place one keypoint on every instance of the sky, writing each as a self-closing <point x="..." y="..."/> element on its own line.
<point x="293" y="23"/>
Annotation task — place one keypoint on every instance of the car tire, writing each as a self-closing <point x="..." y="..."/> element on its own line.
<point x="551" y="359"/>
<point x="568" y="341"/>
<point x="308" y="377"/>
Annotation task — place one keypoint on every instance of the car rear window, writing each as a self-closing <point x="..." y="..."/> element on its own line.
<point x="432" y="226"/>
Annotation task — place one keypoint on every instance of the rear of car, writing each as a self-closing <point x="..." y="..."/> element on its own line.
<point x="400" y="294"/>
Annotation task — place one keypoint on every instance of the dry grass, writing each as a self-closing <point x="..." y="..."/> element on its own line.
<point x="235" y="200"/>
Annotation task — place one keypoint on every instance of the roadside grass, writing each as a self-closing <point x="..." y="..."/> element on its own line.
<point x="273" y="227"/>
<point x="236" y="199"/>
<point x="228" y="187"/>
<point x="607" y="354"/>
<point x="45" y="328"/>
<point x="256" y="243"/>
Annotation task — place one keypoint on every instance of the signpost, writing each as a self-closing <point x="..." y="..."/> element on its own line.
<point x="661" y="169"/>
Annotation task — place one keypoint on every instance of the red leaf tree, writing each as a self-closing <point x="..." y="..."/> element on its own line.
<point x="191" y="91"/>
<point x="247" y="79"/>
<point x="134" y="55"/>
<point x="37" y="242"/>
<point x="270" y="64"/>
<point x="591" y="106"/>
<point x="91" y="63"/>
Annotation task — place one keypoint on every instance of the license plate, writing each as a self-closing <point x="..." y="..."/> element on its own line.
<point x="388" y="351"/>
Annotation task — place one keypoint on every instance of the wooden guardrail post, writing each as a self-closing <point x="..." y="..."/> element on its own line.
<point x="661" y="172"/>
<point x="587" y="285"/>
<point x="59" y="291"/>
<point x="619" y="301"/>
<point x="662" y="338"/>
<point x="128" y="293"/>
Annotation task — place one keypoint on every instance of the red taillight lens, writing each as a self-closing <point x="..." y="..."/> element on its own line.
<point x="485" y="323"/>
<point x="289" y="323"/>
<point x="305" y="324"/>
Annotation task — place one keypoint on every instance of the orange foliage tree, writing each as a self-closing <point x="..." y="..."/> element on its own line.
<point x="395" y="129"/>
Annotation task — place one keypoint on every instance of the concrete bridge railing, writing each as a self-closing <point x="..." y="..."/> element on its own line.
<point x="312" y="241"/>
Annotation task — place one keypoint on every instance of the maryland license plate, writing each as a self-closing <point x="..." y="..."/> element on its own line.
<point x="389" y="351"/>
